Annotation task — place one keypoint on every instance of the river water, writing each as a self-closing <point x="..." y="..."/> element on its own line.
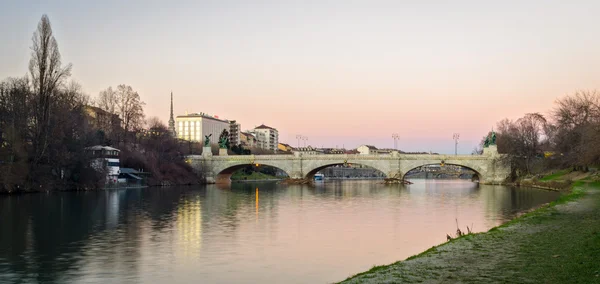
<point x="243" y="233"/>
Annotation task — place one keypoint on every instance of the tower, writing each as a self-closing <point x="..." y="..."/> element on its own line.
<point x="171" y="120"/>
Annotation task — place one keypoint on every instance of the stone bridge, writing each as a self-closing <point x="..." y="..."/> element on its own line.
<point x="489" y="167"/>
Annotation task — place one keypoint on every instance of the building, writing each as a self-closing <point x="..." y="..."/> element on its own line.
<point x="196" y="126"/>
<point x="248" y="140"/>
<point x="130" y="176"/>
<point x="105" y="159"/>
<point x="308" y="150"/>
<point x="234" y="133"/>
<point x="261" y="138"/>
<point x="172" y="130"/>
<point x="268" y="137"/>
<point x="100" y="119"/>
<point x="385" y="151"/>
<point x="285" y="147"/>
<point x="367" y="150"/>
<point x="333" y="151"/>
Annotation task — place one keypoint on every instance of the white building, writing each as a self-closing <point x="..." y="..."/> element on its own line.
<point x="105" y="159"/>
<point x="195" y="126"/>
<point x="367" y="150"/>
<point x="268" y="137"/>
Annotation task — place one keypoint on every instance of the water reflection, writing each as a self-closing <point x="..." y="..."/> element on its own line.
<point x="244" y="233"/>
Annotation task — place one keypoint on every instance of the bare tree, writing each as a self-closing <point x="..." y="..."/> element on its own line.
<point x="522" y="139"/>
<point x="579" y="109"/>
<point x="577" y="128"/>
<point x="107" y="100"/>
<point x="15" y="95"/>
<point x="47" y="75"/>
<point x="154" y="122"/>
<point x="531" y="130"/>
<point x="130" y="108"/>
<point x="126" y="103"/>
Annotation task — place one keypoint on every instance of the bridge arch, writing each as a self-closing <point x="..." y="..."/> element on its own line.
<point x="477" y="170"/>
<point x="315" y="167"/>
<point x="223" y="174"/>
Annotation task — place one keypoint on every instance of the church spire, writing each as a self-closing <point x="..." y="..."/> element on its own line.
<point x="171" y="120"/>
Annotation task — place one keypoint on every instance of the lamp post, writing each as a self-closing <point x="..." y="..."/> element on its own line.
<point x="304" y="138"/>
<point x="396" y="137"/>
<point x="455" y="137"/>
<point x="298" y="137"/>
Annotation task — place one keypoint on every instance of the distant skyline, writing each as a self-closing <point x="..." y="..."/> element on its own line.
<point x="342" y="73"/>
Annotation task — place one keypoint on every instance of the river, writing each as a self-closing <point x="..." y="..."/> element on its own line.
<point x="243" y="233"/>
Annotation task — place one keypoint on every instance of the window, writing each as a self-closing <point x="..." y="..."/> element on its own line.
<point x="113" y="164"/>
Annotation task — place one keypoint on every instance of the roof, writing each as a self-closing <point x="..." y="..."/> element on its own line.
<point x="128" y="171"/>
<point x="202" y="115"/>
<point x="247" y="134"/>
<point x="131" y="176"/>
<point x="285" y="145"/>
<point x="262" y="126"/>
<point x="100" y="147"/>
<point x="307" y="148"/>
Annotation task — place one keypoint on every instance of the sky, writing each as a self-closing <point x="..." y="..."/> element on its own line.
<point x="341" y="73"/>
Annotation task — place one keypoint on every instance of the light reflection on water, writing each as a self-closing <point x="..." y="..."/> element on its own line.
<point x="245" y="233"/>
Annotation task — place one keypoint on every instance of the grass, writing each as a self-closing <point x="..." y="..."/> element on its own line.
<point x="558" y="243"/>
<point x="568" y="249"/>
<point x="239" y="175"/>
<point x="555" y="176"/>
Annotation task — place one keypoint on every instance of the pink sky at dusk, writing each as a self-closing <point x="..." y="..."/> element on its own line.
<point x="341" y="73"/>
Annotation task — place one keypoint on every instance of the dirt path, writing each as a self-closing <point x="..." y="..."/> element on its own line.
<point x="559" y="243"/>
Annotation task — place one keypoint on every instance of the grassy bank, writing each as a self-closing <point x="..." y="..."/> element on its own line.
<point x="558" y="243"/>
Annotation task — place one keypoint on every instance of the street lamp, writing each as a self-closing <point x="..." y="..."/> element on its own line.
<point x="396" y="137"/>
<point x="304" y="138"/>
<point x="455" y="137"/>
<point x="298" y="137"/>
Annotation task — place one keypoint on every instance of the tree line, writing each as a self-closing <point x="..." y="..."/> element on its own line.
<point x="569" y="137"/>
<point x="46" y="122"/>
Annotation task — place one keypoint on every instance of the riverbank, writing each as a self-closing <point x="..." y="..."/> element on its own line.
<point x="558" y="243"/>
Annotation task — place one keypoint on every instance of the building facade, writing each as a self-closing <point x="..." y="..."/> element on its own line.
<point x="248" y="140"/>
<point x="101" y="119"/>
<point x="105" y="159"/>
<point x="285" y="147"/>
<point x="196" y="126"/>
<point x="234" y="133"/>
<point x="367" y="150"/>
<point x="308" y="150"/>
<point x="268" y="137"/>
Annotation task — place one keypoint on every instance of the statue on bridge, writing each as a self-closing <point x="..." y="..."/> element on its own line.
<point x="223" y="142"/>
<point x="490" y="139"/>
<point x="207" y="140"/>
